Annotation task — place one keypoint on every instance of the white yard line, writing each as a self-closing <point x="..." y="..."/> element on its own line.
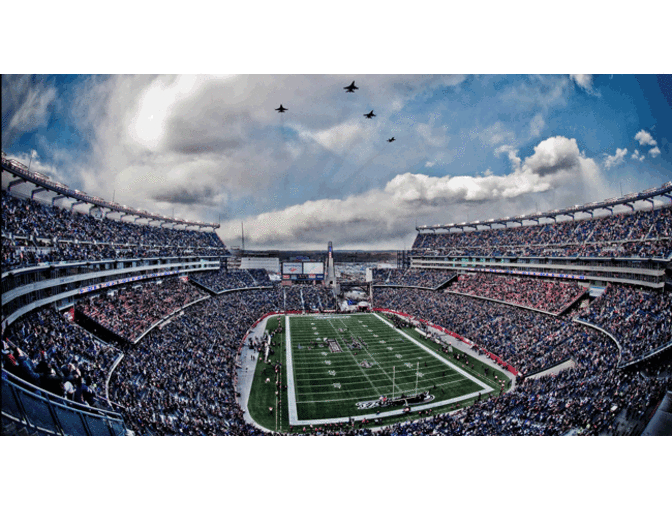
<point x="375" y="397"/>
<point x="355" y="360"/>
<point x="382" y="370"/>
<point x="291" y="397"/>
<point x="387" y="413"/>
<point x="441" y="358"/>
<point x="291" y="393"/>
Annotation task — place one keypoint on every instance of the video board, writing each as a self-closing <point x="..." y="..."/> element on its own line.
<point x="303" y="271"/>
<point x="313" y="268"/>
<point x="292" y="268"/>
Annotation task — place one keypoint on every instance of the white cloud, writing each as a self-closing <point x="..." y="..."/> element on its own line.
<point x="495" y="134"/>
<point x="512" y="154"/>
<point x="645" y="138"/>
<point x="338" y="138"/>
<point x="637" y="156"/>
<point x="155" y="104"/>
<point x="557" y="164"/>
<point x="537" y="124"/>
<point x="204" y="145"/>
<point x="654" y="152"/>
<point x="434" y="136"/>
<point x="538" y="92"/>
<point x="616" y="159"/>
<point x="585" y="81"/>
<point x="25" y="106"/>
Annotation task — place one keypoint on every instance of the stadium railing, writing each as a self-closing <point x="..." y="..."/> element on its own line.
<point x="47" y="414"/>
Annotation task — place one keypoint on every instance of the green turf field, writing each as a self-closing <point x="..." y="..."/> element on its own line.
<point x="327" y="386"/>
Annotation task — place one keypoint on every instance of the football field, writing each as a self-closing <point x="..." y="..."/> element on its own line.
<point x="339" y="366"/>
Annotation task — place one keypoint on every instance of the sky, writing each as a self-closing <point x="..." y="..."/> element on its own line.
<point x="468" y="145"/>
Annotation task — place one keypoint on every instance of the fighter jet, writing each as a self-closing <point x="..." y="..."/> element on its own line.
<point x="351" y="88"/>
<point x="281" y="109"/>
<point x="391" y="140"/>
<point x="369" y="115"/>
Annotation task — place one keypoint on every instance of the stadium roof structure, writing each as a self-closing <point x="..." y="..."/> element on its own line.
<point x="609" y="204"/>
<point x="44" y="183"/>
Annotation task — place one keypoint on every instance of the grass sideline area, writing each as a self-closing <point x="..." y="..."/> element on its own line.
<point x="331" y="378"/>
<point x="265" y="393"/>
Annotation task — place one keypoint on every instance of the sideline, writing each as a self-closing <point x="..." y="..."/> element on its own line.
<point x="245" y="373"/>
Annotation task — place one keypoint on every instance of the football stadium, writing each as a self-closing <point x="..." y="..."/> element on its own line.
<point x="114" y="327"/>
<point x="123" y="321"/>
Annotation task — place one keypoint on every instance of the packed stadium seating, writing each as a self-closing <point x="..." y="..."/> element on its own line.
<point x="55" y="351"/>
<point x="506" y="331"/>
<point x="546" y="295"/>
<point x="34" y="233"/>
<point x="640" y="321"/>
<point x="128" y="312"/>
<point x="639" y="234"/>
<point x="181" y="381"/>
<point x="411" y="278"/>
<point x="218" y="281"/>
<point x="306" y="298"/>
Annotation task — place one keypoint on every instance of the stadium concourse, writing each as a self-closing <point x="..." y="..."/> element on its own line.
<point x="169" y="352"/>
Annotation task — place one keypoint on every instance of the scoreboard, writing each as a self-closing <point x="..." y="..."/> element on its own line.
<point x="303" y="271"/>
<point x="292" y="268"/>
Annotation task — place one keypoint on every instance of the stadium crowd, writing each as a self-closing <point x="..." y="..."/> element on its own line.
<point x="181" y="379"/>
<point x="547" y="295"/>
<point x="48" y="350"/>
<point x="583" y="401"/>
<point x="411" y="277"/>
<point x="640" y="321"/>
<point x="506" y="331"/>
<point x="638" y="234"/>
<point x="218" y="281"/>
<point x="34" y="233"/>
<point x="306" y="298"/>
<point x="129" y="311"/>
